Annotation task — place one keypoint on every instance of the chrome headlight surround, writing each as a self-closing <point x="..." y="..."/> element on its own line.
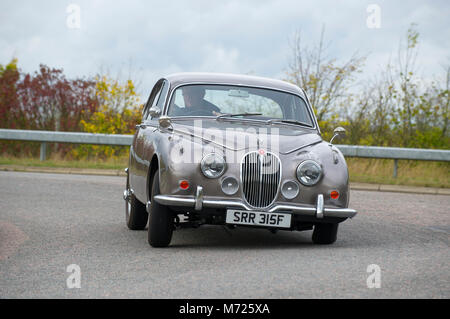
<point x="213" y="165"/>
<point x="309" y="172"/>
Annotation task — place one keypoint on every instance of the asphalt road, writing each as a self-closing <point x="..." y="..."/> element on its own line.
<point x="49" y="221"/>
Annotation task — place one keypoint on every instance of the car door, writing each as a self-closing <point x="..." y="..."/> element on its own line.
<point x="143" y="144"/>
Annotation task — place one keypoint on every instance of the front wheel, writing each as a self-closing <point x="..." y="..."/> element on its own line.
<point x="160" y="219"/>
<point x="325" y="233"/>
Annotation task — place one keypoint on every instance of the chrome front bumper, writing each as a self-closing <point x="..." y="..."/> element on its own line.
<point x="198" y="202"/>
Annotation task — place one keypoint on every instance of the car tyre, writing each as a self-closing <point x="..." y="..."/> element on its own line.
<point x="160" y="219"/>
<point x="136" y="215"/>
<point x="325" y="234"/>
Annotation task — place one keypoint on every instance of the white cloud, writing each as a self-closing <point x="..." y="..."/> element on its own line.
<point x="33" y="45"/>
<point x="229" y="36"/>
<point x="219" y="59"/>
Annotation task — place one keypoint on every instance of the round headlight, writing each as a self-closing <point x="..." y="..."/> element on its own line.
<point x="309" y="172"/>
<point x="213" y="165"/>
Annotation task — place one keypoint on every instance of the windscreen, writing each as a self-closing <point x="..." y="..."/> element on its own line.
<point x="216" y="100"/>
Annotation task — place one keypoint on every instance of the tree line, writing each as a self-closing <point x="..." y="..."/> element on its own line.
<point x="48" y="100"/>
<point x="395" y="107"/>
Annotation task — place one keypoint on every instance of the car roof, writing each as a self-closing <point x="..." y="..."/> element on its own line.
<point x="177" y="79"/>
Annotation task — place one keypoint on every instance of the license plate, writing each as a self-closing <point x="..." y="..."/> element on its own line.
<point x="243" y="217"/>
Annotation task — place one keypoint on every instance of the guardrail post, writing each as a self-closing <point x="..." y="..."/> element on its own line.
<point x="43" y="151"/>
<point x="395" y="168"/>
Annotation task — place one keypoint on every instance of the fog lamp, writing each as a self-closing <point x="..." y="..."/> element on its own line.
<point x="289" y="189"/>
<point x="230" y="185"/>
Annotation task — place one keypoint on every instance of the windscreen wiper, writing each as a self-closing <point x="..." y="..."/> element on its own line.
<point x="237" y="114"/>
<point x="289" y="122"/>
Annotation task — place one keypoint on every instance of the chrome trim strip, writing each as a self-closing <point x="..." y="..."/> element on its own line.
<point x="340" y="212"/>
<point x="174" y="201"/>
<point x="310" y="211"/>
<point x="299" y="148"/>
<point x="218" y="203"/>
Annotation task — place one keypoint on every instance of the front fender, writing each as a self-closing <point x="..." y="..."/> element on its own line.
<point x="335" y="174"/>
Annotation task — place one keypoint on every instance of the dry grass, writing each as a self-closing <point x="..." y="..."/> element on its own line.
<point x="414" y="173"/>
<point x="55" y="161"/>
<point x="378" y="171"/>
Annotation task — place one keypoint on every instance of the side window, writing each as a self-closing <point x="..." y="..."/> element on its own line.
<point x="153" y="99"/>
<point x="158" y="94"/>
<point x="162" y="95"/>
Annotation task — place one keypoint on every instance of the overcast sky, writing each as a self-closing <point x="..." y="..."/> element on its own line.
<point x="161" y="37"/>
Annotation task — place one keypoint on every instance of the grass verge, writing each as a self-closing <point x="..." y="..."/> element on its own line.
<point x="113" y="163"/>
<point x="411" y="173"/>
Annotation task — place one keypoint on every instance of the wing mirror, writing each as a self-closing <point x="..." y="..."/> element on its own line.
<point x="154" y="112"/>
<point x="338" y="131"/>
<point x="164" y="121"/>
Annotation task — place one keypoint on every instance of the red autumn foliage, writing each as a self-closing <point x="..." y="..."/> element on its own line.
<point x="52" y="102"/>
<point x="45" y="100"/>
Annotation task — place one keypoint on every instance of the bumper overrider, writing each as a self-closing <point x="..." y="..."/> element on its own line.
<point x="198" y="202"/>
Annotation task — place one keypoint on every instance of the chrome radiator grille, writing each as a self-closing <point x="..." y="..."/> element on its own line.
<point x="260" y="174"/>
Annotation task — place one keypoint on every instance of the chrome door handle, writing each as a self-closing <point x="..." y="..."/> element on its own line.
<point x="141" y="126"/>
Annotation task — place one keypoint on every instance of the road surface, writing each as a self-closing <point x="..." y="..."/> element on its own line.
<point x="51" y="221"/>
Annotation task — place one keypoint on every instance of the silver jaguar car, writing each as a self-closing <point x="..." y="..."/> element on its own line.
<point x="234" y="150"/>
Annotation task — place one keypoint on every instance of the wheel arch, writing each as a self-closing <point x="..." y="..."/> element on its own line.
<point x="154" y="166"/>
